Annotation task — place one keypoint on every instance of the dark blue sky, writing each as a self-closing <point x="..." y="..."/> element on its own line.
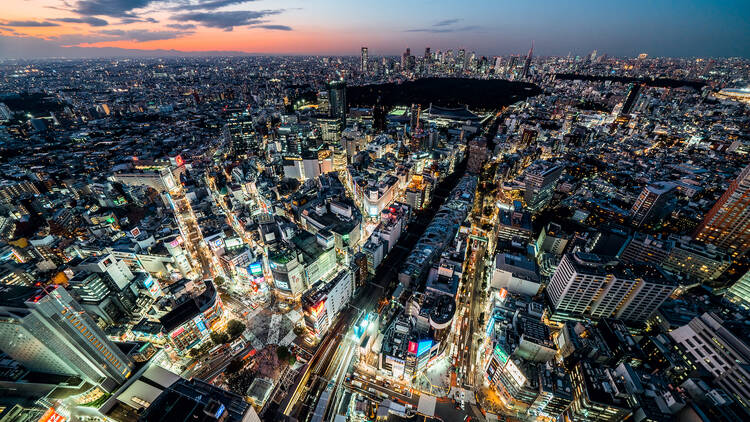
<point x="489" y="27"/>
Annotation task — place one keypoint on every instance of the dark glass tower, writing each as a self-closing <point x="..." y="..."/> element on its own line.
<point x="337" y="97"/>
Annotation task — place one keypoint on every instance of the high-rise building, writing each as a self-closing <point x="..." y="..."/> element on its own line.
<point x="512" y="64"/>
<point x="461" y="60"/>
<point x="727" y="224"/>
<point x="740" y="291"/>
<point x="405" y="59"/>
<point x="337" y="95"/>
<point x="477" y="155"/>
<point x="325" y="300"/>
<point x="712" y="343"/>
<point x="599" y="395"/>
<point x="588" y="285"/>
<point x="541" y="180"/>
<point x="46" y="330"/>
<point x="527" y="63"/>
<point x="363" y="67"/>
<point x="649" y="202"/>
<point x="653" y="287"/>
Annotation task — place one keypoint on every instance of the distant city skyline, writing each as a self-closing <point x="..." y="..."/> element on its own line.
<point x="87" y="28"/>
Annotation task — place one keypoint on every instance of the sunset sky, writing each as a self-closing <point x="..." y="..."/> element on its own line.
<point x="43" y="28"/>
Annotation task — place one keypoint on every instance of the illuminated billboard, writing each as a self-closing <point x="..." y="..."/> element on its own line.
<point x="490" y="327"/>
<point x="413" y="347"/>
<point x="233" y="242"/>
<point x="200" y="324"/>
<point x="176" y="242"/>
<point x="423" y="346"/>
<point x="515" y="373"/>
<point x="256" y="268"/>
<point x="319" y="307"/>
<point x="502" y="294"/>
<point x="500" y="354"/>
<point x="51" y="415"/>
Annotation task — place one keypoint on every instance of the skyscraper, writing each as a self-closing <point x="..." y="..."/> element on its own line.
<point x="541" y="181"/>
<point x="461" y="60"/>
<point x="405" y="59"/>
<point x="527" y="64"/>
<point x="364" y="60"/>
<point x="727" y="224"/>
<point x="337" y="96"/>
<point x="46" y="330"/>
<point x="512" y="63"/>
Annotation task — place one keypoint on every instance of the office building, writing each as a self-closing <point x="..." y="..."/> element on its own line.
<point x="552" y="240"/>
<point x="727" y="224"/>
<point x="323" y="302"/>
<point x="586" y="284"/>
<point x="191" y="400"/>
<point x="477" y="155"/>
<point x="337" y="95"/>
<point x="46" y="330"/>
<point x="721" y="349"/>
<point x="541" y="181"/>
<point x="642" y="247"/>
<point x="740" y="291"/>
<point x="599" y="395"/>
<point x="694" y="261"/>
<point x="650" y="202"/>
<point x="363" y="66"/>
<point x="653" y="286"/>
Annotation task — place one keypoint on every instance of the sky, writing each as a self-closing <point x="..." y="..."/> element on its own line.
<point x="91" y="28"/>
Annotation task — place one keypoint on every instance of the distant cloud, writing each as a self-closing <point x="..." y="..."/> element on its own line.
<point x="126" y="21"/>
<point x="28" y="24"/>
<point x="275" y="27"/>
<point x="447" y="22"/>
<point x="88" y="20"/>
<point x="181" y="26"/>
<point x="227" y="20"/>
<point x="114" y="8"/>
<point x="446" y="30"/>
<point x="142" y="35"/>
<point x="210" y="5"/>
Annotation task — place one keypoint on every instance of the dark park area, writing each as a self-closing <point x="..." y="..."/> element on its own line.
<point x="478" y="94"/>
